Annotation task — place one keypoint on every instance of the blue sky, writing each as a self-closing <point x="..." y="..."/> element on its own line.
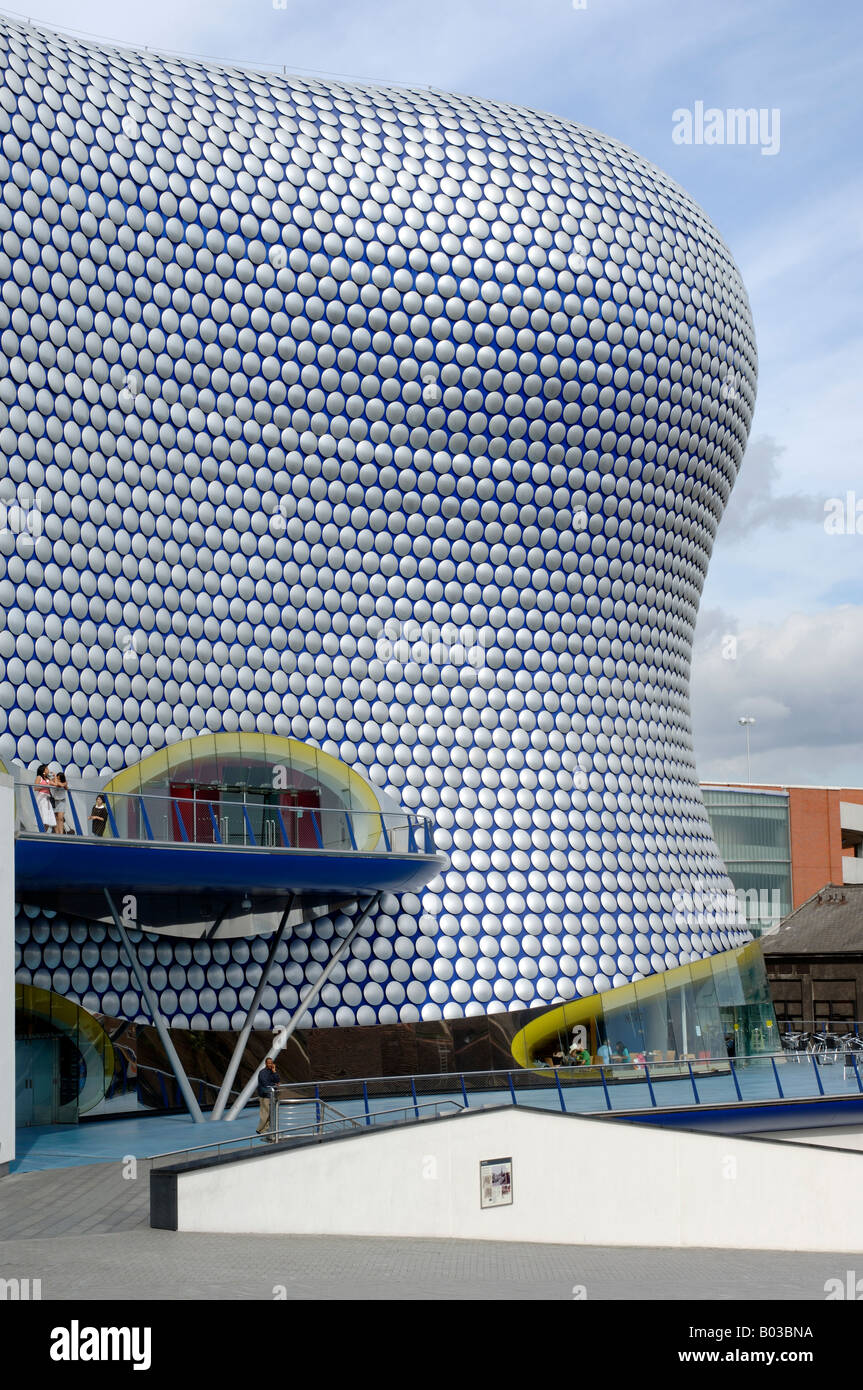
<point x="790" y="593"/>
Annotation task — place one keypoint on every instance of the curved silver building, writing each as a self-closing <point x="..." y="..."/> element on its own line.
<point x="393" y="422"/>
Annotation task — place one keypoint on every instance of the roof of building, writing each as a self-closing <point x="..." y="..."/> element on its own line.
<point x="777" y="787"/>
<point x="830" y="923"/>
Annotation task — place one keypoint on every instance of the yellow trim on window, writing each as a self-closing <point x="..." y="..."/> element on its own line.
<point x="73" y="1021"/>
<point x="547" y="1028"/>
<point x="338" y="776"/>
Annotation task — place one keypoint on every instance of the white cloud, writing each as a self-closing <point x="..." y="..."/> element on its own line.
<point x="756" y="501"/>
<point x="800" y="680"/>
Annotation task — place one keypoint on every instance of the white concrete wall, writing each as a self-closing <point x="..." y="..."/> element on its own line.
<point x="575" y="1181"/>
<point x="851" y="815"/>
<point x="835" y="1137"/>
<point x="7" y="971"/>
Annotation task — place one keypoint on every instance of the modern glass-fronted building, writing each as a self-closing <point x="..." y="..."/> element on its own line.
<point x="702" y="1012"/>
<point x="783" y="844"/>
<point x="394" y="424"/>
<point x="753" y="834"/>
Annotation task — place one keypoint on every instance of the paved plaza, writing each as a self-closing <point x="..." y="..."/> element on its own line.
<point x="83" y="1231"/>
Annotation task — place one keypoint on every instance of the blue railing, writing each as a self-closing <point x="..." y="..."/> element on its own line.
<point x="590" y="1090"/>
<point x="255" y="823"/>
<point x="608" y="1088"/>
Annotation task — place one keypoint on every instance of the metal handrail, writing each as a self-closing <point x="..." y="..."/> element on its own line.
<point x="262" y="824"/>
<point x="198" y="1080"/>
<point x="504" y="1071"/>
<point x="248" y="1139"/>
<point x="460" y="1077"/>
<point x="321" y="1105"/>
<point x="316" y="1126"/>
<point x="320" y="1125"/>
<point x="820" y="1025"/>
<point x="600" y="1076"/>
<point x="329" y="1117"/>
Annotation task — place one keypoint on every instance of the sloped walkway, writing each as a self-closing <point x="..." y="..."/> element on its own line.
<point x="65" y="1146"/>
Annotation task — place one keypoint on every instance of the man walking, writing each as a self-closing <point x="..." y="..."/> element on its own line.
<point x="268" y="1080"/>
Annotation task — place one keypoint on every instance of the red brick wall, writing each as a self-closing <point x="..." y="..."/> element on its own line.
<point x="816" y="841"/>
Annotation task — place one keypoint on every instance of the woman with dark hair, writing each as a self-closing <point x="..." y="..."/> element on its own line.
<point x="61" y="788"/>
<point x="44" y="803"/>
<point x="99" y="815"/>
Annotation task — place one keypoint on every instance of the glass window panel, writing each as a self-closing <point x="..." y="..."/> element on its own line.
<point x="752" y="834"/>
<point x="710" y="1034"/>
<point x="623" y="1023"/>
<point x="653" y="1011"/>
<point x="756" y="1078"/>
<point x="727" y="980"/>
<point x="681" y="1012"/>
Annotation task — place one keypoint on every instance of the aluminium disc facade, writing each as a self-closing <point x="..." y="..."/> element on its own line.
<point x="393" y="421"/>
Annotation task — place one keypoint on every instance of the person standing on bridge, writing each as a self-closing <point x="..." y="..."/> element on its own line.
<point x="268" y="1080"/>
<point x="44" y="799"/>
<point x="99" y="815"/>
<point x="61" y="788"/>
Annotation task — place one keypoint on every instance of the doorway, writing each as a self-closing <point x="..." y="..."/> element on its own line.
<point x="37" y="1082"/>
<point x="191" y="805"/>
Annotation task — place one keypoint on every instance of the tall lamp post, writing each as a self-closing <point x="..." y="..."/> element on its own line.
<point x="747" y="723"/>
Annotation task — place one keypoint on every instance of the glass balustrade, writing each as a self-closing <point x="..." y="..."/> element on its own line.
<point x="257" y="820"/>
<point x="596" y="1089"/>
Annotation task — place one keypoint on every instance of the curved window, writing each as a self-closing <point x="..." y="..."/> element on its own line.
<point x="241" y="788"/>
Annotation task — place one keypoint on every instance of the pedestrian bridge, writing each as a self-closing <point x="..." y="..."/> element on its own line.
<point x="197" y="866"/>
<point x="728" y="1094"/>
<point x="221" y="835"/>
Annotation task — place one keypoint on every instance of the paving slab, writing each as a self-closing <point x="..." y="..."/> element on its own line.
<point x="84" y="1233"/>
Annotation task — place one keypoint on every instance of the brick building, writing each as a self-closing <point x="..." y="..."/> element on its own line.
<point x="782" y="844"/>
<point x="814" y="961"/>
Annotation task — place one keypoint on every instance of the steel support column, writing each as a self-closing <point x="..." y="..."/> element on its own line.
<point x="161" y="1028"/>
<point x="306" y="1002"/>
<point x="240" y="1047"/>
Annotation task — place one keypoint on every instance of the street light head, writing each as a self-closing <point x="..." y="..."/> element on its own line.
<point x="746" y="720"/>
